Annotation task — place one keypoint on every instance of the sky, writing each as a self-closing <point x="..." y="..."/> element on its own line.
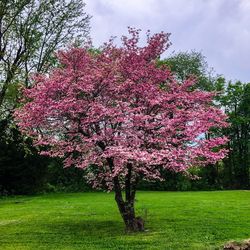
<point x="220" y="29"/>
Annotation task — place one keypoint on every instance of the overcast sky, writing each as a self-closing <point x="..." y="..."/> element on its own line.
<point x="220" y="29"/>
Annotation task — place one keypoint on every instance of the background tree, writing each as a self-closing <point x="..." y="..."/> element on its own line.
<point x="22" y="170"/>
<point x="193" y="64"/>
<point x="122" y="118"/>
<point x="236" y="102"/>
<point x="31" y="32"/>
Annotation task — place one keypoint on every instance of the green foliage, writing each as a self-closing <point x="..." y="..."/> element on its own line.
<point x="236" y="102"/>
<point x="22" y="171"/>
<point x="175" y="220"/>
<point x="31" y="32"/>
<point x="61" y="179"/>
<point x="208" y="178"/>
<point x="192" y="64"/>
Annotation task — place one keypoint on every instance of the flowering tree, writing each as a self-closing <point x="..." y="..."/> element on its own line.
<point x="122" y="118"/>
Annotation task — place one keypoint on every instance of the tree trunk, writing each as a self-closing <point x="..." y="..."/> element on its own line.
<point x="126" y="208"/>
<point x="127" y="211"/>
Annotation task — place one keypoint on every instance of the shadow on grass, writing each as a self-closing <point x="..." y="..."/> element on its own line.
<point x="87" y="228"/>
<point x="85" y="234"/>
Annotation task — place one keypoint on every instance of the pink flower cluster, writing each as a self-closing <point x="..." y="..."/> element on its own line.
<point x="117" y="104"/>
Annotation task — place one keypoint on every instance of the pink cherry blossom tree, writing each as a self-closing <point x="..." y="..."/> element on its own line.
<point x="122" y="118"/>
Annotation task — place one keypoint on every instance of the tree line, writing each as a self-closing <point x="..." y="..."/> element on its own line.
<point x="31" y="32"/>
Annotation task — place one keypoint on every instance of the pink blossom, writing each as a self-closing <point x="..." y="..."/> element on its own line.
<point x="118" y="105"/>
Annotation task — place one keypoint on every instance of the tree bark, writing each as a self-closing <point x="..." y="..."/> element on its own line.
<point x="127" y="211"/>
<point x="126" y="208"/>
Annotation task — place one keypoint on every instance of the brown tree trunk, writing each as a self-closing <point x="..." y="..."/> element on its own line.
<point x="127" y="211"/>
<point x="126" y="208"/>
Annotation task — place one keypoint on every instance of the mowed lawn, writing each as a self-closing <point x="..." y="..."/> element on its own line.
<point x="174" y="220"/>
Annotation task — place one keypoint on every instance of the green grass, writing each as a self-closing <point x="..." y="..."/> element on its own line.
<point x="175" y="220"/>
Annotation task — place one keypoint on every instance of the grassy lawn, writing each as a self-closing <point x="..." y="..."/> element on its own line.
<point x="175" y="220"/>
